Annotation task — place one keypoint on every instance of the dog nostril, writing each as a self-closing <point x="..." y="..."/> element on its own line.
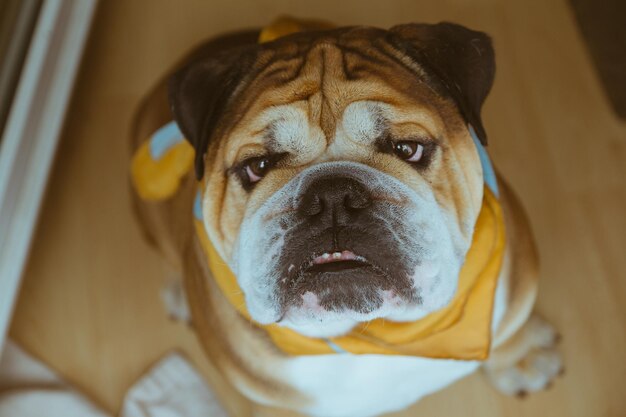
<point x="357" y="201"/>
<point x="313" y="206"/>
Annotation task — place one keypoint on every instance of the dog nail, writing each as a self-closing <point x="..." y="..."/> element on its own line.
<point x="521" y="394"/>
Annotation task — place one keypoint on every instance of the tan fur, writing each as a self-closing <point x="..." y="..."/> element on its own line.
<point x="241" y="352"/>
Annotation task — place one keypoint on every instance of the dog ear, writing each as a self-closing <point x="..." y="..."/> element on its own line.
<point x="462" y="59"/>
<point x="200" y="93"/>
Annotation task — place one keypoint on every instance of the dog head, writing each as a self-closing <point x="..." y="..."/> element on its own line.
<point x="341" y="183"/>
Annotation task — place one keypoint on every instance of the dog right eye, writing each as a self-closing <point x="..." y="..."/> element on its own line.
<point x="257" y="168"/>
<point x="252" y="170"/>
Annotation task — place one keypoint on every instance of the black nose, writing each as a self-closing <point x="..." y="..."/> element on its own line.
<point x="334" y="200"/>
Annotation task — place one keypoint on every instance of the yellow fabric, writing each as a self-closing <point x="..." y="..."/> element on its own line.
<point x="159" y="179"/>
<point x="461" y="330"/>
<point x="285" y="25"/>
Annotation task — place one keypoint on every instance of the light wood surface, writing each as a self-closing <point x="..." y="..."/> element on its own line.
<point x="90" y="302"/>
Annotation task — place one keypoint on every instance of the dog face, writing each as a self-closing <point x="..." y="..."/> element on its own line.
<point x="341" y="183"/>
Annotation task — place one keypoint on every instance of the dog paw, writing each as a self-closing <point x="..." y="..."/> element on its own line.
<point x="527" y="363"/>
<point x="175" y="301"/>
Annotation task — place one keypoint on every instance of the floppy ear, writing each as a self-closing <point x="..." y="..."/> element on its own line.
<point x="462" y="59"/>
<point x="200" y="93"/>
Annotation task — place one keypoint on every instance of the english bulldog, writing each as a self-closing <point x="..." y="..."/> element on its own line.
<point x="346" y="246"/>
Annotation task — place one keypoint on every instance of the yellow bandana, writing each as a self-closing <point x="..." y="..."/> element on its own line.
<point x="461" y="330"/>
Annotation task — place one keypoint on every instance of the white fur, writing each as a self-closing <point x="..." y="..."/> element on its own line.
<point x="369" y="385"/>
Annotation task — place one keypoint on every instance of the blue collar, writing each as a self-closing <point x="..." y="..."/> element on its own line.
<point x="489" y="174"/>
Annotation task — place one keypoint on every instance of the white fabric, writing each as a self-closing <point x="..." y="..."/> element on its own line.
<point x="172" y="388"/>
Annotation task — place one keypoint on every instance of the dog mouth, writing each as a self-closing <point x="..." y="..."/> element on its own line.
<point x="342" y="282"/>
<point x="338" y="261"/>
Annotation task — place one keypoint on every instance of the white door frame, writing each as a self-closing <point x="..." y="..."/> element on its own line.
<point x="31" y="134"/>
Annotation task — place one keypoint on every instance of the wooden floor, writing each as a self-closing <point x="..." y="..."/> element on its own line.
<point x="90" y="302"/>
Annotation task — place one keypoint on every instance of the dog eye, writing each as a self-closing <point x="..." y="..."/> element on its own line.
<point x="408" y="150"/>
<point x="257" y="168"/>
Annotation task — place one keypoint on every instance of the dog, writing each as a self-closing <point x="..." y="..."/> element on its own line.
<point x="351" y="247"/>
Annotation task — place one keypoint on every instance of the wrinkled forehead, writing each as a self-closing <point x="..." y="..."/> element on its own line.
<point x="358" y="85"/>
<point x="282" y="128"/>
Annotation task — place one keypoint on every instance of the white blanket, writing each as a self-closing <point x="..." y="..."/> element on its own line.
<point x="172" y="388"/>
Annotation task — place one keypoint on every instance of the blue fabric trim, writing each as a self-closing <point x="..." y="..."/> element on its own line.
<point x="163" y="139"/>
<point x="489" y="174"/>
<point x="197" y="206"/>
<point x="334" y="346"/>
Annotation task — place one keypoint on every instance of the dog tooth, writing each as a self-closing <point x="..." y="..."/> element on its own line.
<point x="337" y="255"/>
<point x="348" y="255"/>
<point x="326" y="256"/>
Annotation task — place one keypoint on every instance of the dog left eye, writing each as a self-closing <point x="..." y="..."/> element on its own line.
<point x="408" y="150"/>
